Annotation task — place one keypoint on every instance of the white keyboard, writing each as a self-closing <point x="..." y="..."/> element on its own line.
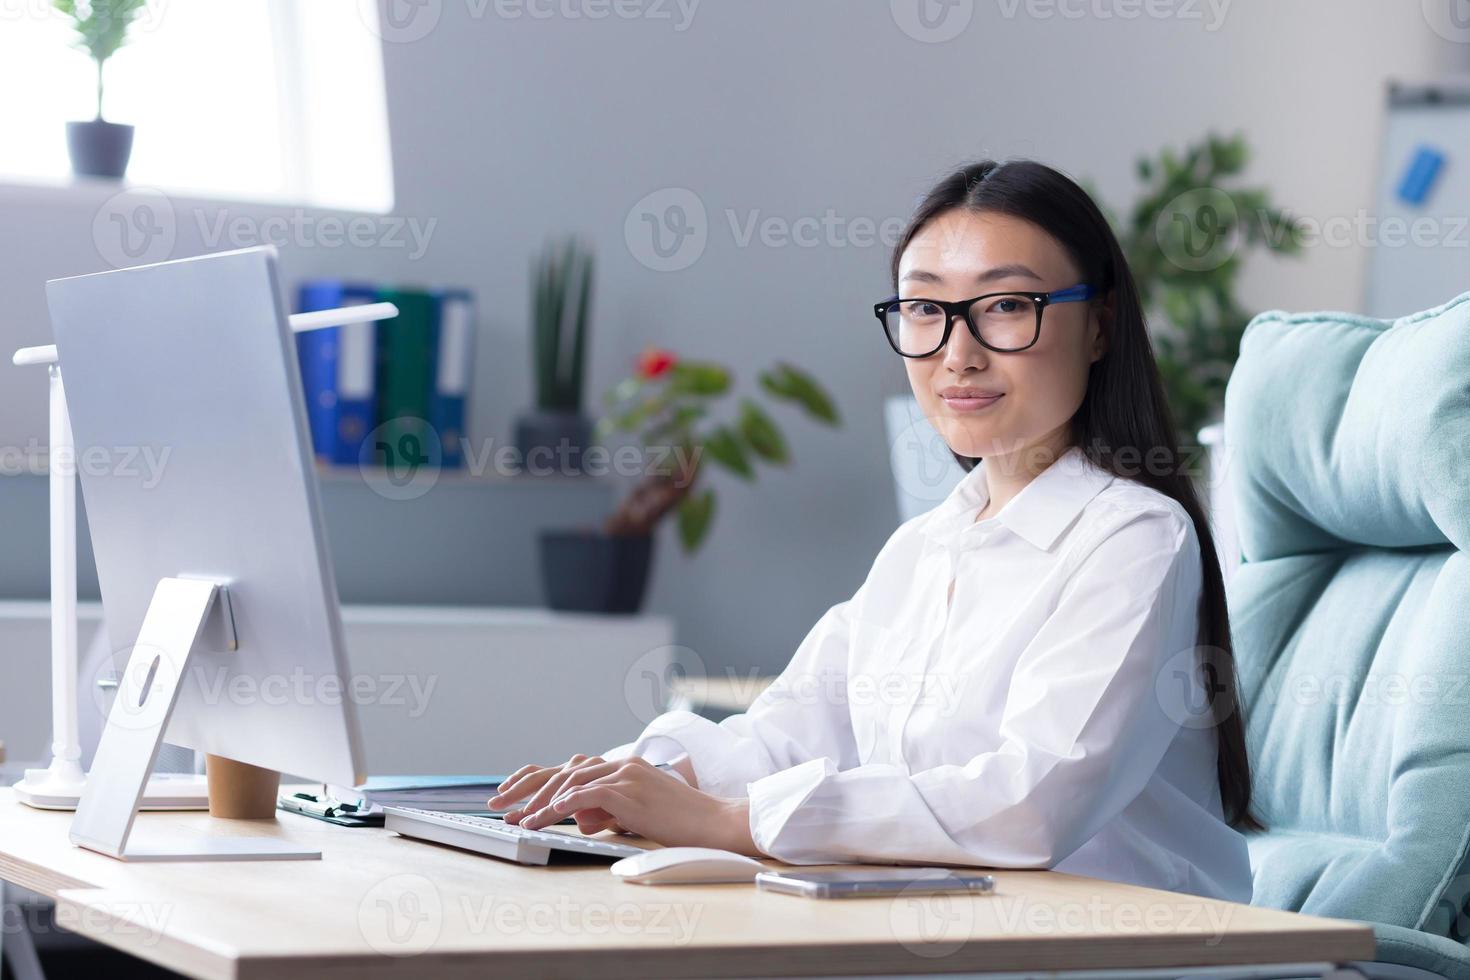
<point x="496" y="838"/>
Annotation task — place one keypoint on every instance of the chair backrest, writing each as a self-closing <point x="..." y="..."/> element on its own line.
<point x="1348" y="443"/>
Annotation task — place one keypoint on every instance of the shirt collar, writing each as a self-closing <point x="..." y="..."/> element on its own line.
<point x="1039" y="514"/>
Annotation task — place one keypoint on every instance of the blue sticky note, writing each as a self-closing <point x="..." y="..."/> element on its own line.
<point x="1419" y="177"/>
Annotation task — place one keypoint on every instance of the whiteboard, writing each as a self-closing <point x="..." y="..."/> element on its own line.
<point x="1419" y="256"/>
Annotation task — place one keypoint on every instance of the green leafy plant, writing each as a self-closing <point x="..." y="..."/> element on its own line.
<point x="1185" y="239"/>
<point x="102" y="28"/>
<point x="560" y="308"/>
<point x="667" y="402"/>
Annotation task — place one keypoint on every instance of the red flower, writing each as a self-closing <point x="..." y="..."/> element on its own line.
<point x="654" y="362"/>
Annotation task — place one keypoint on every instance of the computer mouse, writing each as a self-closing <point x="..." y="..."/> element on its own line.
<point x="687" y="866"/>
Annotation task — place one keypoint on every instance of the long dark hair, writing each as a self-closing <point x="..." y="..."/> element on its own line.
<point x="1124" y="407"/>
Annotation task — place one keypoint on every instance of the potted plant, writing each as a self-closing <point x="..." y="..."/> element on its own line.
<point x="100" y="148"/>
<point x="667" y="402"/>
<point x="561" y="299"/>
<point x="1187" y="238"/>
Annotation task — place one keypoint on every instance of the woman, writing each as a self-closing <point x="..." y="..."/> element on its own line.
<point x="1036" y="673"/>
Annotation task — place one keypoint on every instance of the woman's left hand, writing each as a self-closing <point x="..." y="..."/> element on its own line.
<point x="648" y="801"/>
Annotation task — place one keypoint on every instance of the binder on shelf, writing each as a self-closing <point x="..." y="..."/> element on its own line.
<point x="403" y="437"/>
<point x="338" y="371"/>
<point x="454" y="355"/>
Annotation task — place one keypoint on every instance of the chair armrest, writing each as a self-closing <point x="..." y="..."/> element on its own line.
<point x="1421" y="950"/>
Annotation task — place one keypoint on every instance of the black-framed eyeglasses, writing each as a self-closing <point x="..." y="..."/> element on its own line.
<point x="1003" y="322"/>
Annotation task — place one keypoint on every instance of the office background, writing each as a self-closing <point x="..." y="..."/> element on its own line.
<point x="507" y="130"/>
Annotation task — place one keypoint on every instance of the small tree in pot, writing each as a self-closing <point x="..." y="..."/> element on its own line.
<point x="100" y="148"/>
<point x="667" y="402"/>
<point x="561" y="302"/>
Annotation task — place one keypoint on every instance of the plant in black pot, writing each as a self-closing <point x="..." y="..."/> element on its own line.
<point x="557" y="432"/>
<point x="100" y="148"/>
<point x="667" y="403"/>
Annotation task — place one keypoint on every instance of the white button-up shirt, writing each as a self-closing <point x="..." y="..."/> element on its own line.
<point x="1048" y="715"/>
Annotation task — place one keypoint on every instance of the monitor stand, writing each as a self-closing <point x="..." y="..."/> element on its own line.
<point x="182" y="612"/>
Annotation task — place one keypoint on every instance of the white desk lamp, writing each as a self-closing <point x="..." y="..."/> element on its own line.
<point x="60" y="785"/>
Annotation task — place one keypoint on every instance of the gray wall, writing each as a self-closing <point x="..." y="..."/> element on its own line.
<point x="507" y="129"/>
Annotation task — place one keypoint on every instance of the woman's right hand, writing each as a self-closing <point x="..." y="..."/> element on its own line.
<point x="538" y="784"/>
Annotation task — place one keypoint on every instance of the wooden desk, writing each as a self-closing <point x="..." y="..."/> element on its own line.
<point x="378" y="905"/>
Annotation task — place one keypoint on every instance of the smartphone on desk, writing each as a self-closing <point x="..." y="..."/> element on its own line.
<point x="858" y="882"/>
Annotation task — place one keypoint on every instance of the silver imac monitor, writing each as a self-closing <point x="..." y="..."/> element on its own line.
<point x="212" y="563"/>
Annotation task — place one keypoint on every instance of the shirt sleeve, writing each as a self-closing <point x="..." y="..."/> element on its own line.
<point x="1085" y="725"/>
<point x="800" y="717"/>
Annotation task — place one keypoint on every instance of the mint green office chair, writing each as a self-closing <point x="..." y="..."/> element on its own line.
<point x="1348" y="454"/>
